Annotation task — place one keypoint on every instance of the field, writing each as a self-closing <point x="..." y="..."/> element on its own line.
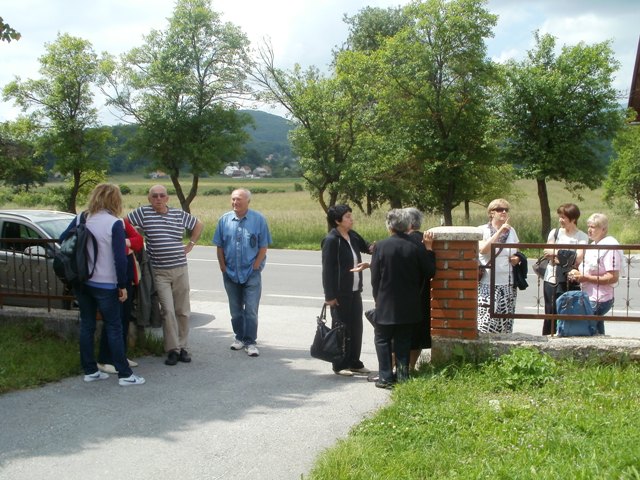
<point x="298" y="222"/>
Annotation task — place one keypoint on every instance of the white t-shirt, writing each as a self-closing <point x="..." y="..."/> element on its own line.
<point x="576" y="238"/>
<point x="504" y="275"/>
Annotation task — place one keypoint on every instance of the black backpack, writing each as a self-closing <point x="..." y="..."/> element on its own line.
<point x="71" y="263"/>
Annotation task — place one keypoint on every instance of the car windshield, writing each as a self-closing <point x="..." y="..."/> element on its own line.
<point x="54" y="228"/>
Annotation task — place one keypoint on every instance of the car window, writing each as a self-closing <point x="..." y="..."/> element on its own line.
<point x="16" y="230"/>
<point x="54" y="228"/>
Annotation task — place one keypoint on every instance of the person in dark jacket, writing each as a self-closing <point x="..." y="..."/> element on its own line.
<point x="342" y="282"/>
<point x="421" y="337"/>
<point x="398" y="270"/>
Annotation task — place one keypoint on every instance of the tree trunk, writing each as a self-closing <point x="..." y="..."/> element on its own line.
<point x="467" y="213"/>
<point x="545" y="211"/>
<point x="448" y="215"/>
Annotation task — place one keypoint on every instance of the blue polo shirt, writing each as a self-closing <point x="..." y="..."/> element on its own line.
<point x="241" y="239"/>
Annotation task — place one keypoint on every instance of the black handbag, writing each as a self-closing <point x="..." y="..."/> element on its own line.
<point x="328" y="343"/>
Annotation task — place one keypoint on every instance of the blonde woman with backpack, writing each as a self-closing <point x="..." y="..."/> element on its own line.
<point x="106" y="287"/>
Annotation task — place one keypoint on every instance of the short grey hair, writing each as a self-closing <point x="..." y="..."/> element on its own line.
<point x="247" y="193"/>
<point x="415" y="217"/>
<point x="398" y="220"/>
<point x="599" y="220"/>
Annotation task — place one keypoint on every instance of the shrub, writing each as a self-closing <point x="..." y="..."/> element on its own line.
<point x="525" y="367"/>
<point x="125" y="190"/>
<point x="212" y="191"/>
<point x="297" y="187"/>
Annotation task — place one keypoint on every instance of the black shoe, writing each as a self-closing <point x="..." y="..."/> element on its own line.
<point x="172" y="358"/>
<point x="184" y="356"/>
<point x="383" y="384"/>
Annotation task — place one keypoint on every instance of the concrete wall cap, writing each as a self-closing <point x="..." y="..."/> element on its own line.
<point x="461" y="234"/>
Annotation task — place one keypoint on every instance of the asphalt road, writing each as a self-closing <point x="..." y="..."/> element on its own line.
<point x="225" y="415"/>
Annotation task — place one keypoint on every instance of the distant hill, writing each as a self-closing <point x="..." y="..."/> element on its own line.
<point x="269" y="135"/>
<point x="269" y="128"/>
<point x="268" y="145"/>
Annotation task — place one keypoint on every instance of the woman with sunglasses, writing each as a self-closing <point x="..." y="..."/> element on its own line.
<point x="497" y="230"/>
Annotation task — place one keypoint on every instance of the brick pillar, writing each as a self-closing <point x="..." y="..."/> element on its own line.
<point x="454" y="289"/>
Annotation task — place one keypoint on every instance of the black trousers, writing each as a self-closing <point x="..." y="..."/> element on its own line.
<point x="349" y="312"/>
<point x="551" y="292"/>
<point x="393" y="339"/>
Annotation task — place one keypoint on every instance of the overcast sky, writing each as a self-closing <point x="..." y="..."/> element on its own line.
<point x="302" y="31"/>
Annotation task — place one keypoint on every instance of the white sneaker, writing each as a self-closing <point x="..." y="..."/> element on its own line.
<point x="363" y="370"/>
<point x="96" y="376"/>
<point x="252" y="350"/>
<point x="237" y="345"/>
<point x="344" y="373"/>
<point x="132" y="363"/>
<point x="107" y="368"/>
<point x="132" y="380"/>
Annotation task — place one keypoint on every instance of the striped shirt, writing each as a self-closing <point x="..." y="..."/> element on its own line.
<point x="164" y="234"/>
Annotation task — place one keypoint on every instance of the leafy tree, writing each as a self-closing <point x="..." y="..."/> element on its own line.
<point x="327" y="123"/>
<point x="558" y="113"/>
<point x="371" y="26"/>
<point x="61" y="105"/>
<point x="7" y="33"/>
<point x="21" y="164"/>
<point x="430" y="99"/>
<point x="181" y="87"/>
<point x="623" y="179"/>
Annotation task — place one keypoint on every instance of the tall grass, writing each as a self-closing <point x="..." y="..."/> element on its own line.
<point x="297" y="221"/>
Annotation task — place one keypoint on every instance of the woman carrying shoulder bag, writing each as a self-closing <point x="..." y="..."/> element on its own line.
<point x="555" y="276"/>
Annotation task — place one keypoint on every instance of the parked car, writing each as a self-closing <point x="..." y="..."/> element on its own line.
<point x="27" y="247"/>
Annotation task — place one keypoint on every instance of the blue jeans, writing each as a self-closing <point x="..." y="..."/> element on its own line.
<point x="104" y="353"/>
<point x="599" y="309"/>
<point x="90" y="300"/>
<point x="244" y="300"/>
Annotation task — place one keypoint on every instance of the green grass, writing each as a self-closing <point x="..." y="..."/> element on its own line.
<point x="470" y="422"/>
<point x="33" y="355"/>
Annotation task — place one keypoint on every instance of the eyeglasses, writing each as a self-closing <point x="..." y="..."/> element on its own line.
<point x="158" y="195"/>
<point x="500" y="209"/>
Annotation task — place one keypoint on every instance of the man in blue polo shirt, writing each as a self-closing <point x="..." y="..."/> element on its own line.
<point x="242" y="237"/>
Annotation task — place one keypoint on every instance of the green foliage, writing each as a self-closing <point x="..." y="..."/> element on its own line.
<point x="558" y="114"/>
<point x="125" y="190"/>
<point x="213" y="191"/>
<point x="623" y="180"/>
<point x="7" y="33"/>
<point x="525" y="368"/>
<point x="298" y="187"/>
<point x="21" y="165"/>
<point x="61" y="103"/>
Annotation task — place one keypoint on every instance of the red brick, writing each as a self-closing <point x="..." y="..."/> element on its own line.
<point x="442" y="274"/>
<point x="448" y="293"/>
<point x="470" y="304"/>
<point x="467" y="284"/>
<point x="461" y="324"/>
<point x="459" y="265"/>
